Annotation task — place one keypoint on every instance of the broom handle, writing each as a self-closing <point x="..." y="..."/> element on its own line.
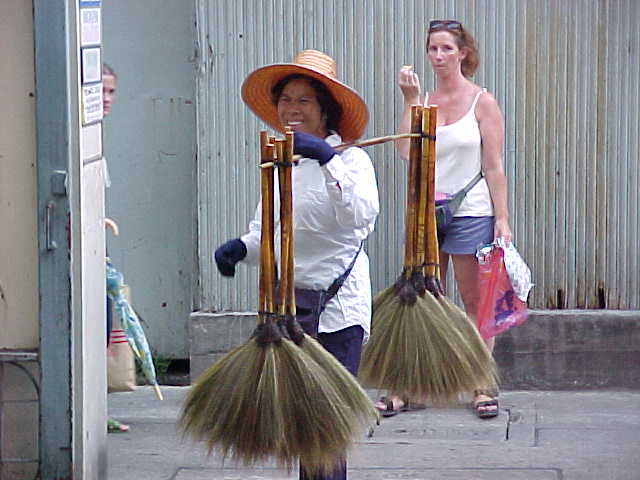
<point x="412" y="175"/>
<point x="363" y="143"/>
<point x="270" y="280"/>
<point x="291" y="290"/>
<point x="432" y="257"/>
<point x="422" y="194"/>
<point x="262" y="272"/>
<point x="284" y="180"/>
<point x="274" y="280"/>
<point x="266" y="275"/>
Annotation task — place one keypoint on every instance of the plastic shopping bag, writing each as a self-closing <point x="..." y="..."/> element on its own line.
<point x="518" y="271"/>
<point x="499" y="308"/>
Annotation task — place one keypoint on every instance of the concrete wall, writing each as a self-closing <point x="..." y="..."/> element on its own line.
<point x="572" y="349"/>
<point x="552" y="350"/>
<point x="18" y="243"/>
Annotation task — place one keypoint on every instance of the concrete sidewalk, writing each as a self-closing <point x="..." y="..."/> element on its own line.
<point x="539" y="435"/>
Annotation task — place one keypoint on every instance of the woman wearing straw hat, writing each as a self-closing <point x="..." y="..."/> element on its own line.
<point x="335" y="201"/>
<point x="469" y="135"/>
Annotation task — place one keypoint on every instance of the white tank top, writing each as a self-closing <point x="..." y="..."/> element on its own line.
<point x="458" y="160"/>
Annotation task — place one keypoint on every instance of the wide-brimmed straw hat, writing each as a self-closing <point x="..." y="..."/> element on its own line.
<point x="257" y="87"/>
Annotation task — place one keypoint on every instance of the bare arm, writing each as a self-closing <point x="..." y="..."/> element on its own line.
<point x="410" y="85"/>
<point x="491" y="125"/>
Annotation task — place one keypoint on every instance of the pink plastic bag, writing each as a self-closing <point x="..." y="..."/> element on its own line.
<point x="499" y="308"/>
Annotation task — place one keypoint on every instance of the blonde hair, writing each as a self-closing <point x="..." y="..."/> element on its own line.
<point x="107" y="70"/>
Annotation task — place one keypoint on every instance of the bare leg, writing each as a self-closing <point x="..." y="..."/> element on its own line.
<point x="444" y="267"/>
<point x="466" y="273"/>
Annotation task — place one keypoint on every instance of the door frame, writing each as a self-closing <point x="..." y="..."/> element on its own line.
<point x="72" y="436"/>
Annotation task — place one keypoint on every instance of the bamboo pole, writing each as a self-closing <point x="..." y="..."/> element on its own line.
<point x="431" y="236"/>
<point x="266" y="269"/>
<point x="363" y="143"/>
<point x="291" y="295"/>
<point x="284" y="182"/>
<point x="421" y="215"/>
<point x="376" y="140"/>
<point x="412" y="192"/>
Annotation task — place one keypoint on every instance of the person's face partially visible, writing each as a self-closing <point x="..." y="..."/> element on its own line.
<point x="108" y="93"/>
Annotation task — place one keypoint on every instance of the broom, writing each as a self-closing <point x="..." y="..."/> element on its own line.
<point x="474" y="365"/>
<point x="319" y="443"/>
<point x="393" y="357"/>
<point x="358" y="403"/>
<point x="428" y="353"/>
<point x="267" y="398"/>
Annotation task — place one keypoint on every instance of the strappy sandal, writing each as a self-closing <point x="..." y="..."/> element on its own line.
<point x="387" y="408"/>
<point x="486" y="408"/>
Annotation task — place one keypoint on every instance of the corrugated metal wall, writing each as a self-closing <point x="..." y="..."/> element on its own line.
<point x="566" y="74"/>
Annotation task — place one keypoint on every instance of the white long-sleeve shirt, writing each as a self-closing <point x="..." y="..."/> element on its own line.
<point x="334" y="209"/>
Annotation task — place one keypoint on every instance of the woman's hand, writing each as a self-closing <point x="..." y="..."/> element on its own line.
<point x="409" y="83"/>
<point x="502" y="229"/>
<point x="228" y="254"/>
<point x="310" y="146"/>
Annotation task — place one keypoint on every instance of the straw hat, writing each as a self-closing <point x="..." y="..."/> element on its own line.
<point x="256" y="91"/>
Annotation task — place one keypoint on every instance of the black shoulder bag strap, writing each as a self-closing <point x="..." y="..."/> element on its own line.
<point x="457" y="199"/>
<point x="337" y="283"/>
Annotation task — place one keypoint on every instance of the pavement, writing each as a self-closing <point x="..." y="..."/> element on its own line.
<point x="539" y="435"/>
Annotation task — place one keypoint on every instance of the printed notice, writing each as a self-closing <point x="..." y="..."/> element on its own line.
<point x="90" y="27"/>
<point x="91" y="103"/>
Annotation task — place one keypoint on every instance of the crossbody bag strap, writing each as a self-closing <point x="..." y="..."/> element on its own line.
<point x="458" y="197"/>
<point x="337" y="283"/>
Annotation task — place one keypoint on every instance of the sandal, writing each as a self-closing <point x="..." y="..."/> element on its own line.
<point x="390" y="406"/>
<point x="486" y="408"/>
<point x="114" y="426"/>
<point x="387" y="407"/>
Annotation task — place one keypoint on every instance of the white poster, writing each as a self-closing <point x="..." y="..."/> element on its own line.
<point x="91" y="65"/>
<point x="91" y="143"/>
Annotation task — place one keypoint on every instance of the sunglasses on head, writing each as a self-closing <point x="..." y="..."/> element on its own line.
<point x="445" y="24"/>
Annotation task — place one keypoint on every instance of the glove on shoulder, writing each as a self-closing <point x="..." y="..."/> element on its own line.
<point x="310" y="146"/>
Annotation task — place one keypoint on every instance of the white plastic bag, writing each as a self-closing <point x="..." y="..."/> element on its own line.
<point x="517" y="269"/>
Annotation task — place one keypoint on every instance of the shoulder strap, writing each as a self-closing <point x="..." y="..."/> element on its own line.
<point x="337" y="283"/>
<point x="475" y="100"/>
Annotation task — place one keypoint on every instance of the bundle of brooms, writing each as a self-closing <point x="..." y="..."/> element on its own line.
<point x="422" y="345"/>
<point x="273" y="397"/>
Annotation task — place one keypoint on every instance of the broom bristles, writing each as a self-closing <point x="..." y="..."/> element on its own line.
<point x="353" y="395"/>
<point x="420" y="351"/>
<point x="320" y="427"/>
<point x="270" y="401"/>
